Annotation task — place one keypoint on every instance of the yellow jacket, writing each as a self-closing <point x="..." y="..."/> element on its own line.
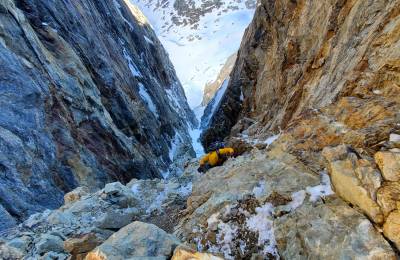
<point x="213" y="159"/>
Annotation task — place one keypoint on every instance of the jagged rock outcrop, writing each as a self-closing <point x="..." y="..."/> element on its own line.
<point x="88" y="96"/>
<point x="298" y="57"/>
<point x="212" y="87"/>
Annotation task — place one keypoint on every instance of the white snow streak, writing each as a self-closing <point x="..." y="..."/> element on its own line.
<point x="216" y="101"/>
<point x="133" y="68"/>
<point x="118" y="7"/>
<point x="146" y="97"/>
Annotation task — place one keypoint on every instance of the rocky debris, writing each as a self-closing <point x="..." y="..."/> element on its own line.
<point x="212" y="87"/>
<point x="81" y="94"/>
<point x="75" y="195"/>
<point x="49" y="243"/>
<point x="185" y="253"/>
<point x="80" y="246"/>
<point x="265" y="194"/>
<point x="9" y="253"/>
<point x="85" y="222"/>
<point x="389" y="163"/>
<point x="138" y="239"/>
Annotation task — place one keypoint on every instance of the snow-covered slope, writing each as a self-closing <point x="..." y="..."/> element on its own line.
<point x="199" y="36"/>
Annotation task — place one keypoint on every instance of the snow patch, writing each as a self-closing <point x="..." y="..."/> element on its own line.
<point x="225" y="237"/>
<point x="259" y="190"/>
<point x="146" y="97"/>
<point x="133" y="68"/>
<point x="395" y="138"/>
<point x="254" y="141"/>
<point x="175" y="142"/>
<point x="156" y="205"/>
<point x="186" y="190"/>
<point x="297" y="199"/>
<point x="135" y="188"/>
<point x="195" y="133"/>
<point x="322" y="190"/>
<point x="262" y="224"/>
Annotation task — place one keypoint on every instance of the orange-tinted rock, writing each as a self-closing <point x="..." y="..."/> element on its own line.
<point x="389" y="163"/>
<point x="391" y="228"/>
<point x="388" y="197"/>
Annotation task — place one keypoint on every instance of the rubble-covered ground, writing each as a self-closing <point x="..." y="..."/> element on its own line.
<point x="264" y="204"/>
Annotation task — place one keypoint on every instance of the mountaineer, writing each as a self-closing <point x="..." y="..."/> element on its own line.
<point x="215" y="158"/>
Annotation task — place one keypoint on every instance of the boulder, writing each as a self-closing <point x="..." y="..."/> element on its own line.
<point x="388" y="197"/>
<point x="119" y="194"/>
<point x="81" y="245"/>
<point x="389" y="164"/>
<point x="184" y="253"/>
<point x="8" y="252"/>
<point x="354" y="179"/>
<point x="49" y="242"/>
<point x="75" y="195"/>
<point x="22" y="242"/>
<point x="137" y="240"/>
<point x="391" y="228"/>
<point x="54" y="256"/>
<point x="116" y="219"/>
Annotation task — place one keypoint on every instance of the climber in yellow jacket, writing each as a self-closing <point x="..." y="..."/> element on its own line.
<point x="215" y="158"/>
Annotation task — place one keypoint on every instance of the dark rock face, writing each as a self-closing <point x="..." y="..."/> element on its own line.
<point x="87" y="96"/>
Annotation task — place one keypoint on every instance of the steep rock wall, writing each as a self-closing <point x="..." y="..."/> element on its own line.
<point x="88" y="95"/>
<point x="299" y="56"/>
